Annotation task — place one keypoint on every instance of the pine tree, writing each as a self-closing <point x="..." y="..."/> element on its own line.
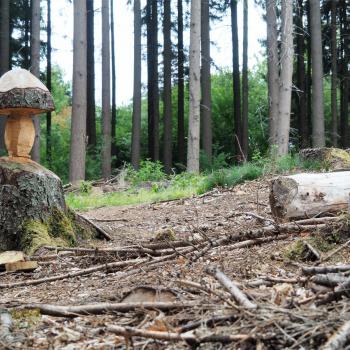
<point x="78" y="127"/>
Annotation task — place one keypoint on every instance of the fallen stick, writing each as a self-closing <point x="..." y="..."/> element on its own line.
<point x="129" y="332"/>
<point x="83" y="272"/>
<point x="231" y="287"/>
<point x="103" y="308"/>
<point x="315" y="270"/>
<point x="339" y="339"/>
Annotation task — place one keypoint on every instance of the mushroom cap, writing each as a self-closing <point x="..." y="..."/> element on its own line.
<point x="22" y="92"/>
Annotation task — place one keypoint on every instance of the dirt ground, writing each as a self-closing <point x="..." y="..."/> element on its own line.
<point x="286" y="316"/>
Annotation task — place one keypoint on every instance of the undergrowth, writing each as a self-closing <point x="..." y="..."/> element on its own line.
<point x="151" y="184"/>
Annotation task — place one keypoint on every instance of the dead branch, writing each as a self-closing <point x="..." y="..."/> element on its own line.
<point x="339" y="339"/>
<point x="329" y="279"/>
<point x="231" y="287"/>
<point x="208" y="322"/>
<point x="129" y="332"/>
<point x="6" y="323"/>
<point x="315" y="270"/>
<point x="107" y="267"/>
<point x="102" y="308"/>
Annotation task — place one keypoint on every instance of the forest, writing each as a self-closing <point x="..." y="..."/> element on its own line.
<point x="210" y="210"/>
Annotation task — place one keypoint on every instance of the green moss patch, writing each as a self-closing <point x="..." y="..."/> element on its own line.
<point x="60" y="229"/>
<point x="25" y="318"/>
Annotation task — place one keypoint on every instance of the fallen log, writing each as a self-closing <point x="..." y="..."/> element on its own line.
<point x="339" y="339"/>
<point x="309" y="195"/>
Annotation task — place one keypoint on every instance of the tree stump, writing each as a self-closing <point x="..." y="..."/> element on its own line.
<point x="33" y="212"/>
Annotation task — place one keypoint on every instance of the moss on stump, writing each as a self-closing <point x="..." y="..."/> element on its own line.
<point x="33" y="212"/>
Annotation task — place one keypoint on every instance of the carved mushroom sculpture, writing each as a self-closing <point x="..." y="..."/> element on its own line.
<point x="22" y="95"/>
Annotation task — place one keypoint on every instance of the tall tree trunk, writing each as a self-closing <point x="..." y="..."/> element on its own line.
<point x="286" y="74"/>
<point x="237" y="116"/>
<point x="318" y="136"/>
<point x="48" y="84"/>
<point x="90" y="88"/>
<point x="301" y="78"/>
<point x="167" y="151"/>
<point x="206" y="81"/>
<point x="309" y="74"/>
<point x="106" y="93"/>
<point x="35" y="68"/>
<point x="180" y="85"/>
<point x="78" y="127"/>
<point x="245" y="89"/>
<point x="273" y="63"/>
<point x="136" y="111"/>
<point x="4" y="55"/>
<point x="195" y="88"/>
<point x="153" y="91"/>
<point x="27" y="52"/>
<point x="334" y="72"/>
<point x="114" y="96"/>
<point x="344" y="118"/>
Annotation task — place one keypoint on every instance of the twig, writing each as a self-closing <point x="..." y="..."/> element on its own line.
<point x="83" y="272"/>
<point x="102" y="308"/>
<point x="315" y="255"/>
<point x="231" y="287"/>
<point x="129" y="332"/>
<point x="336" y="251"/>
<point x="339" y="338"/>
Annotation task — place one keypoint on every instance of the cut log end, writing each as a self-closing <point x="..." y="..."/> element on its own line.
<point x="309" y="195"/>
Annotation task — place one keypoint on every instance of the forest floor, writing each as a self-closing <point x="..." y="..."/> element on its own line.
<point x="156" y="285"/>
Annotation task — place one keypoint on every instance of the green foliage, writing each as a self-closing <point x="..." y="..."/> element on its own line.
<point x="85" y="187"/>
<point x="149" y="171"/>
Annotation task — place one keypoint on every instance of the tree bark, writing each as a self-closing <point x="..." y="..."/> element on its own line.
<point x="167" y="151"/>
<point x="318" y="135"/>
<point x="334" y="72"/>
<point x="90" y="88"/>
<point x="194" y="108"/>
<point x="285" y="87"/>
<point x="4" y="55"/>
<point x="180" y="86"/>
<point x="48" y="84"/>
<point x="344" y="122"/>
<point x="78" y="127"/>
<point x="307" y="195"/>
<point x="237" y="116"/>
<point x="273" y="64"/>
<point x="245" y="88"/>
<point x="206" y="118"/>
<point x="114" y="102"/>
<point x="136" y="113"/>
<point x="106" y="92"/>
<point x="35" y="68"/>
<point x="301" y="78"/>
<point x="153" y="91"/>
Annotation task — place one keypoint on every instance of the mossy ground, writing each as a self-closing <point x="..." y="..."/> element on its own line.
<point x="61" y="229"/>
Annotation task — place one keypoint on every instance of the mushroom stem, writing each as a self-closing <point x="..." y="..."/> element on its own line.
<point x="19" y="135"/>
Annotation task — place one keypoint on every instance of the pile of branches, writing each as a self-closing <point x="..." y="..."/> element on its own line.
<point x="236" y="312"/>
